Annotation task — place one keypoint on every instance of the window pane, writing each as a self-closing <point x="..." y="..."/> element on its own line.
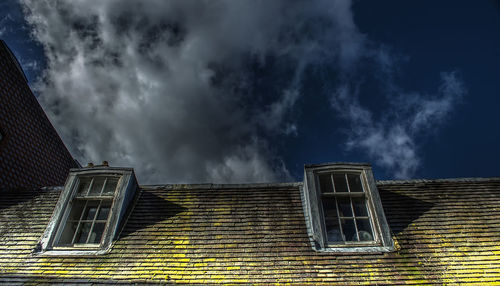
<point x="110" y="187"/>
<point x="355" y="182"/>
<point x="76" y="210"/>
<point x="329" y="208"/>
<point x="71" y="222"/>
<point x="349" y="230"/>
<point x="90" y="210"/>
<point x="83" y="232"/>
<point x="360" y="206"/>
<point x="333" y="231"/>
<point x="96" y="235"/>
<point x="84" y="186"/>
<point x="331" y="220"/>
<point x="67" y="234"/>
<point x="325" y="182"/>
<point x="104" y="211"/>
<point x="97" y="186"/>
<point x="340" y="183"/>
<point x="345" y="209"/>
<point x="365" y="230"/>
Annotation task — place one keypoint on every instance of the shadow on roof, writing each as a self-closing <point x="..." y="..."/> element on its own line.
<point x="19" y="196"/>
<point x="149" y="210"/>
<point x="22" y="210"/>
<point x="401" y="210"/>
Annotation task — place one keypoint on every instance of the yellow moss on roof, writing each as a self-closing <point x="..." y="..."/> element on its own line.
<point x="449" y="235"/>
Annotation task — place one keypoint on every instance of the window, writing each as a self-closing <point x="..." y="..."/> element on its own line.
<point x="89" y="211"/>
<point x="344" y="210"/>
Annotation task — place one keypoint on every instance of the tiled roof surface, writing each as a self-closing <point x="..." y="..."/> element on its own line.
<point x="447" y="232"/>
<point x="31" y="152"/>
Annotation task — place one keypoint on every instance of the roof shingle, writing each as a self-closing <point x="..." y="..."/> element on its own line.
<point x="445" y="232"/>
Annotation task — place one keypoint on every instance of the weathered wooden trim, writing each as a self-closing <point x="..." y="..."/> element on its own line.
<point x="314" y="212"/>
<point x="124" y="194"/>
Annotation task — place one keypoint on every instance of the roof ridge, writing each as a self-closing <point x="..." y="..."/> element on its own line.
<point x="445" y="180"/>
<point x="285" y="185"/>
<point x="223" y="186"/>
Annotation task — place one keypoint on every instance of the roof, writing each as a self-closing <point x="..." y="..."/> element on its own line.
<point x="14" y="59"/>
<point x="446" y="231"/>
<point x="31" y="152"/>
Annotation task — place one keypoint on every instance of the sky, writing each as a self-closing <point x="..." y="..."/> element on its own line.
<point x="250" y="91"/>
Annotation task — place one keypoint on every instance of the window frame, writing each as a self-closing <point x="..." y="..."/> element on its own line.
<point x="123" y="195"/>
<point x="335" y="194"/>
<point x="86" y="199"/>
<point x="315" y="214"/>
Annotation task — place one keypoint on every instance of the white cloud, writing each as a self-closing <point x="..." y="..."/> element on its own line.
<point x="163" y="86"/>
<point x="5" y="20"/>
<point x="391" y="139"/>
<point x="30" y="65"/>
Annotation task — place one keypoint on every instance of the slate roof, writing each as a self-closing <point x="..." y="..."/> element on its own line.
<point x="446" y="231"/>
<point x="31" y="152"/>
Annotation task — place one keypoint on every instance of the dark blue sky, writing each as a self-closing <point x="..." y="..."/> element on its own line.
<point x="424" y="38"/>
<point x="15" y="31"/>
<point x="448" y="35"/>
<point x="433" y="36"/>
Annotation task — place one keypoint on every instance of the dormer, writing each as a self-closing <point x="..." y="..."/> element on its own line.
<point x="343" y="209"/>
<point x="89" y="211"/>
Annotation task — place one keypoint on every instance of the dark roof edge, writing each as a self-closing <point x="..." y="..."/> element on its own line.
<point x="16" y="62"/>
<point x="299" y="184"/>
<point x="289" y="184"/>
<point x="447" y="180"/>
<point x="223" y="186"/>
<point x="34" y="189"/>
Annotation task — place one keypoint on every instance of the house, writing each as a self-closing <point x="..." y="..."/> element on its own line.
<point x="339" y="226"/>
<point x="101" y="227"/>
<point x="31" y="152"/>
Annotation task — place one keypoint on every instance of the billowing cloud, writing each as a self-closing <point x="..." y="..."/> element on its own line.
<point x="194" y="91"/>
<point x="168" y="87"/>
<point x="390" y="140"/>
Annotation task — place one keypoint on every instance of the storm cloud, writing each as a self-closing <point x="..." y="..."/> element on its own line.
<point x="165" y="86"/>
<point x="176" y="89"/>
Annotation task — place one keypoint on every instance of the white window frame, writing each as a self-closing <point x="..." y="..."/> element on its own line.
<point x="87" y="199"/>
<point x="313" y="207"/>
<point x="120" y="200"/>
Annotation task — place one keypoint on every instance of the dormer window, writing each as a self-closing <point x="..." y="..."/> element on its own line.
<point x="89" y="211"/>
<point x="344" y="210"/>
